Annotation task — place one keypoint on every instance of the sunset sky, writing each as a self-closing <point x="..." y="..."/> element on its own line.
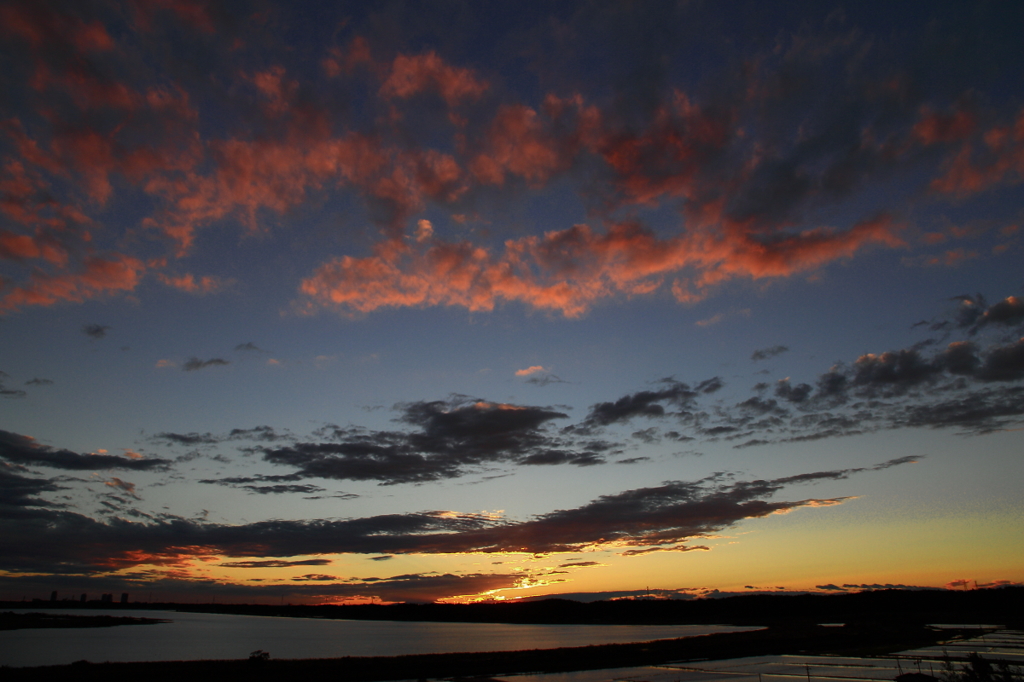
<point x="328" y="301"/>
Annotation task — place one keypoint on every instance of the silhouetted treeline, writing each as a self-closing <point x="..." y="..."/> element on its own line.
<point x="1000" y="606"/>
<point x="996" y="606"/>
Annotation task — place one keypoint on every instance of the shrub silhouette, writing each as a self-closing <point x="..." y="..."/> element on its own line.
<point x="980" y="670"/>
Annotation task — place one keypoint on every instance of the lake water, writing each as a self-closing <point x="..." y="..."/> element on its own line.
<point x="196" y="636"/>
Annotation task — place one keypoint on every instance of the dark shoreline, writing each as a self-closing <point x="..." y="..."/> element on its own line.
<point x="1003" y="605"/>
<point x="878" y="622"/>
<point x="37" y="620"/>
<point x="850" y="640"/>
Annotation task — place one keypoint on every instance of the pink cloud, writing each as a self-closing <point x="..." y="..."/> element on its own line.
<point x="517" y="143"/>
<point x="193" y="13"/>
<point x="666" y="159"/>
<point x="252" y="176"/>
<point x="343" y="61"/>
<point x="39" y="26"/>
<point x="530" y="370"/>
<point x="277" y="89"/>
<point x="412" y="75"/>
<point x="933" y="127"/>
<point x="97" y="277"/>
<point x="976" y="168"/>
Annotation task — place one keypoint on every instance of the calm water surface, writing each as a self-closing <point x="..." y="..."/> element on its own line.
<point x="194" y="636"/>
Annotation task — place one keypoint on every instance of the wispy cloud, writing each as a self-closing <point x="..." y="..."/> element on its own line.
<point x="645" y="518"/>
<point x="766" y="353"/>
<point x="194" y="363"/>
<point x="96" y="331"/>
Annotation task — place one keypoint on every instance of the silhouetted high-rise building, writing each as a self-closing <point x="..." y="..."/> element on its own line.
<point x="124" y="597"/>
<point x="53" y="596"/>
<point x="83" y="598"/>
<point x="107" y="598"/>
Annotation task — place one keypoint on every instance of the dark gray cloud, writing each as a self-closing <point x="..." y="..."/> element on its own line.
<point x="249" y="481"/>
<point x="1003" y="363"/>
<point x="9" y="392"/>
<point x="275" y="563"/>
<point x="448" y="439"/>
<point x="969" y="385"/>
<point x="650" y="404"/>
<point x="266" y="434"/>
<point x="18" y="491"/>
<point x="978" y="411"/>
<point x="249" y="346"/>
<point x="766" y="353"/>
<point x="892" y="373"/>
<point x="168" y="586"/>
<point x="185" y="438"/>
<point x="282" y="488"/>
<point x="790" y="393"/>
<point x="1008" y="312"/>
<point x="36" y="381"/>
<point x="194" y="363"/>
<point x="24" y="450"/>
<point x="974" y="313"/>
<point x="258" y="433"/>
<point x="336" y="496"/>
<point x="95" y="331"/>
<point x="544" y="379"/>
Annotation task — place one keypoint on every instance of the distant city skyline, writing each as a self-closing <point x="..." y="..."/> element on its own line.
<point x="458" y="301"/>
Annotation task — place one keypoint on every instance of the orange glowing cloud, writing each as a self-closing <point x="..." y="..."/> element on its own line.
<point x="530" y="370"/>
<point x="518" y="143"/>
<point x="274" y="175"/>
<point x="178" y="557"/>
<point x="567" y="271"/>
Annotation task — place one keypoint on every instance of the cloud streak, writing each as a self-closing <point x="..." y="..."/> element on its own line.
<point x="659" y="517"/>
<point x="26" y="451"/>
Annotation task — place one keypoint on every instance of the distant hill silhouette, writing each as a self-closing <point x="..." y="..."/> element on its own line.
<point x="999" y="606"/>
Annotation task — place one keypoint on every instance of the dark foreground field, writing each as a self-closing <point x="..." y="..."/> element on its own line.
<point x="863" y="639"/>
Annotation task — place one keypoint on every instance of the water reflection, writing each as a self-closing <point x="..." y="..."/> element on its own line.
<point x="195" y="636"/>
